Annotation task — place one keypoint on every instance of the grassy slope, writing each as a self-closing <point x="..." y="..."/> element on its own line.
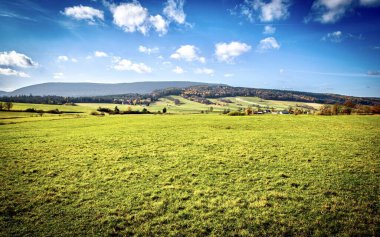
<point x="185" y="107"/>
<point x="191" y="175"/>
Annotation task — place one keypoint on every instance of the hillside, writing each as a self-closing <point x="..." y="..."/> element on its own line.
<point x="98" y="89"/>
<point x="3" y="93"/>
<point x="202" y="92"/>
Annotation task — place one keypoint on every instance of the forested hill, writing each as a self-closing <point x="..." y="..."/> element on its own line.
<point x="197" y="93"/>
<point x="206" y="91"/>
<point x="98" y="89"/>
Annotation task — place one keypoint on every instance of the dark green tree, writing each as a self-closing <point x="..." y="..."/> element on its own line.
<point x="8" y="105"/>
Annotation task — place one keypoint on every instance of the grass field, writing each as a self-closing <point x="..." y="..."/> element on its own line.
<point x="191" y="175"/>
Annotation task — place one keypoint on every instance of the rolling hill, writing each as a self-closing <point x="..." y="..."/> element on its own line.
<point x="98" y="89"/>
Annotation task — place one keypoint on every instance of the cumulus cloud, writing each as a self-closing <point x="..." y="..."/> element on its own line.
<point x="11" y="72"/>
<point x="335" y="37"/>
<point x="331" y="11"/>
<point x="263" y="11"/>
<point x="228" y="51"/>
<point x="147" y="50"/>
<point x="269" y="30"/>
<point x="339" y="36"/>
<point x="100" y="54"/>
<point x="131" y="17"/>
<point x="63" y="58"/>
<point x="178" y="70"/>
<point x="267" y="44"/>
<point x="229" y="75"/>
<point x="187" y="53"/>
<point x="174" y="11"/>
<point x="58" y="75"/>
<point x="159" y="24"/>
<point x="89" y="14"/>
<point x="127" y="65"/>
<point x="206" y="71"/>
<point x="14" y="59"/>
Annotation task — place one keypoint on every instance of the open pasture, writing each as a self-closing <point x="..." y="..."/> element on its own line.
<point x="190" y="175"/>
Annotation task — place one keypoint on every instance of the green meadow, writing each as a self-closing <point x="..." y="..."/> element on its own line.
<point x="188" y="175"/>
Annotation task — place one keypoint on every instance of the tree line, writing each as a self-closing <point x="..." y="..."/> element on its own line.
<point x="198" y="94"/>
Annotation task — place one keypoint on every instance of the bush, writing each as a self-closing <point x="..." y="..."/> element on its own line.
<point x="54" y="111"/>
<point x="95" y="113"/>
<point x="31" y="110"/>
<point x="235" y="113"/>
<point x="105" y="110"/>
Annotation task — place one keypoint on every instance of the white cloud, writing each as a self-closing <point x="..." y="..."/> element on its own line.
<point x="127" y="65"/>
<point x="188" y="53"/>
<point x="370" y="3"/>
<point x="228" y="51"/>
<point x="174" y="11"/>
<point x="268" y="30"/>
<point x="206" y="71"/>
<point x="58" y="75"/>
<point x="160" y="24"/>
<point x="178" y="70"/>
<point x="335" y="37"/>
<point x="263" y="10"/>
<point x="84" y="13"/>
<point x="11" y="72"/>
<point x="268" y="43"/>
<point x="131" y="17"/>
<point x="15" y="59"/>
<point x="331" y="11"/>
<point x="229" y="75"/>
<point x="63" y="58"/>
<point x="100" y="54"/>
<point x="147" y="50"/>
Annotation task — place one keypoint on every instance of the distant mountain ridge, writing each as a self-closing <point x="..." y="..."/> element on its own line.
<point x="98" y="89"/>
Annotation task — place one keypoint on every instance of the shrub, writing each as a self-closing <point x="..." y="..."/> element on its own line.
<point x="30" y="110"/>
<point x="105" y="110"/>
<point x="95" y="113"/>
<point x="235" y="113"/>
<point x="54" y="111"/>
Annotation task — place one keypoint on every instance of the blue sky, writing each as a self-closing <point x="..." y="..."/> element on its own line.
<point x="318" y="45"/>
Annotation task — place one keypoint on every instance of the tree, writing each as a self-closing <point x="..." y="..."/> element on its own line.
<point x="177" y="102"/>
<point x="164" y="110"/>
<point x="349" y="103"/>
<point x="8" y="105"/>
<point x="248" y="111"/>
<point x="117" y="110"/>
<point x="334" y="109"/>
<point x="211" y="109"/>
<point x="1" y="106"/>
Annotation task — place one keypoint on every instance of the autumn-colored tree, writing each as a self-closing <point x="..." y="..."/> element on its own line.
<point x="349" y="103"/>
<point x="335" y="109"/>
<point x="248" y="111"/>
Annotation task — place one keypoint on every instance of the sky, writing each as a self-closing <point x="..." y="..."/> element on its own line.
<point x="327" y="46"/>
